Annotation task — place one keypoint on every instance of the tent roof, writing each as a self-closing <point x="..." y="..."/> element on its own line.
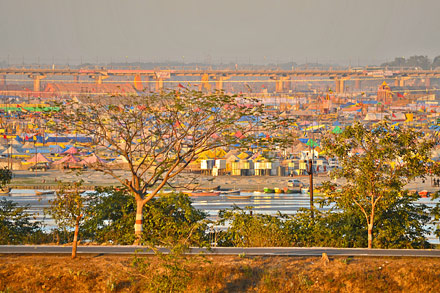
<point x="67" y="159"/>
<point x="93" y="159"/>
<point x="38" y="158"/>
<point x="12" y="150"/>
<point x="72" y="150"/>
<point x="56" y="149"/>
<point x="243" y="156"/>
<point x="28" y="145"/>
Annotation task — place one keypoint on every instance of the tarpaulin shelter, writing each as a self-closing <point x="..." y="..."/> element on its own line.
<point x="93" y="159"/>
<point x="28" y="145"/>
<point x="243" y="156"/>
<point x="56" y="149"/>
<point x="38" y="158"/>
<point x="72" y="151"/>
<point x="44" y="150"/>
<point x="337" y="130"/>
<point x="13" y="151"/>
<point x="69" y="159"/>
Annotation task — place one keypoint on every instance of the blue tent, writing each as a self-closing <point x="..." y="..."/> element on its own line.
<point x="370" y="102"/>
<point x="347" y="105"/>
<point x="39" y="150"/>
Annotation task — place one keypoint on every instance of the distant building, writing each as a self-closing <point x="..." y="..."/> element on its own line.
<point x="384" y="94"/>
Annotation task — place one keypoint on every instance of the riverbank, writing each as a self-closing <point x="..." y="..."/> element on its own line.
<point x="104" y="273"/>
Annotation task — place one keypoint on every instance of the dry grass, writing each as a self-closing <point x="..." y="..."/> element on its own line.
<point x="222" y="274"/>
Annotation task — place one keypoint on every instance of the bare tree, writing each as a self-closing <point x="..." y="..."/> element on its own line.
<point x="159" y="134"/>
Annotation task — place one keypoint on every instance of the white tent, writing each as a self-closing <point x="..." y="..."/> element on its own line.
<point x="93" y="159"/>
<point x="398" y="116"/>
<point x="12" y="150"/>
<point x="120" y="159"/>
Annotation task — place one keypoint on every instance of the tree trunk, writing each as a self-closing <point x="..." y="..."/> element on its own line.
<point x="138" y="224"/>
<point x="370" y="235"/>
<point x="75" y="239"/>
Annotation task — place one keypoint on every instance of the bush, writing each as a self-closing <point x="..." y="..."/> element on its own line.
<point x="254" y="230"/>
<point x="168" y="220"/>
<point x="15" y="224"/>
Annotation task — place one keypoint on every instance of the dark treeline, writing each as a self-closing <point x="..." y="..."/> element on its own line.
<point x="416" y="61"/>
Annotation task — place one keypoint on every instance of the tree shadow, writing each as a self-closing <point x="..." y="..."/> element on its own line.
<point x="249" y="278"/>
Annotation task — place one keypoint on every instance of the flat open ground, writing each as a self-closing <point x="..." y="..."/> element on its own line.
<point x="245" y="183"/>
<point x="95" y="273"/>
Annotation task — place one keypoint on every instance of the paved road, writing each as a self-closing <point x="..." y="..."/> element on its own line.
<point x="284" y="251"/>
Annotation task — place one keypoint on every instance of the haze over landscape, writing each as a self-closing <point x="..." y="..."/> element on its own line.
<point x="219" y="146"/>
<point x="246" y="31"/>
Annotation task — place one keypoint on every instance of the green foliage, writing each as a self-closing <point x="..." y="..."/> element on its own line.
<point x="376" y="163"/>
<point x="5" y="176"/>
<point x="69" y="206"/>
<point x="111" y="217"/>
<point x="16" y="226"/>
<point x="169" y="220"/>
<point x="435" y="214"/>
<point x="254" y="230"/>
<point x="400" y="223"/>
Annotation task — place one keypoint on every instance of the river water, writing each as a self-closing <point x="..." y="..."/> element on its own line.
<point x="262" y="204"/>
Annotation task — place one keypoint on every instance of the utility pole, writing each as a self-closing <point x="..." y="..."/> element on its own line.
<point x="310" y="171"/>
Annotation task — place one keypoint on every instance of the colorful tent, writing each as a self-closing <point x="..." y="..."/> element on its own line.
<point x="28" y="145"/>
<point x="218" y="153"/>
<point x="56" y="149"/>
<point x="72" y="151"/>
<point x="93" y="159"/>
<point x="12" y="150"/>
<point x="337" y="130"/>
<point x="120" y="160"/>
<point x="38" y="158"/>
<point x="243" y="156"/>
<point x="312" y="143"/>
<point x="69" y="159"/>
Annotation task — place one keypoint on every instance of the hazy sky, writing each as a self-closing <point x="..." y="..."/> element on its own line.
<point x="336" y="31"/>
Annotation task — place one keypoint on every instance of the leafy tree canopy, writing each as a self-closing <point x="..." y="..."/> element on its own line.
<point x="376" y="163"/>
<point x="5" y="177"/>
<point x="169" y="220"/>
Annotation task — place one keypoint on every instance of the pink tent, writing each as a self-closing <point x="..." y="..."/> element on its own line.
<point x="69" y="159"/>
<point x="93" y="159"/>
<point x="71" y="151"/>
<point x="37" y="159"/>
